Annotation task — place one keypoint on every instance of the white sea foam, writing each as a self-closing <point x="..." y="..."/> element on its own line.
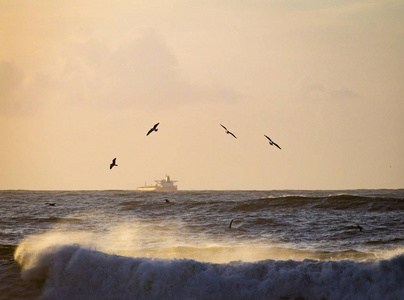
<point x="74" y="272"/>
<point x="80" y="265"/>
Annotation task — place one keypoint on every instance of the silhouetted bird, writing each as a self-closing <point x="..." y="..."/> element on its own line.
<point x="168" y="201"/>
<point x="113" y="164"/>
<point x="231" y="222"/>
<point x="153" y="129"/>
<point x="227" y="131"/>
<point x="272" y="143"/>
<point x="50" y="204"/>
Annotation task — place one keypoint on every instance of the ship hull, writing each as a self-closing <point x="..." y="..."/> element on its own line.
<point x="158" y="189"/>
<point x="146" y="188"/>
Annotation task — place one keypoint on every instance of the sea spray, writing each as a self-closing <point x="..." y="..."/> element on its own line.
<point x="148" y="239"/>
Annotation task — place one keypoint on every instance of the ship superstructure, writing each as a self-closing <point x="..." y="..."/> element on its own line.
<point x="165" y="184"/>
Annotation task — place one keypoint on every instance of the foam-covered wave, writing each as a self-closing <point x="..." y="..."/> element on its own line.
<point x="72" y="272"/>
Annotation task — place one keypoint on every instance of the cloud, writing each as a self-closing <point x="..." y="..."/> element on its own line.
<point x="140" y="73"/>
<point x="343" y="93"/>
<point x="20" y="92"/>
<point x="11" y="83"/>
<point x="11" y="78"/>
<point x="143" y="73"/>
<point x="310" y="89"/>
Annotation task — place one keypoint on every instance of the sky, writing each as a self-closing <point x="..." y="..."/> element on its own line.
<point x="81" y="82"/>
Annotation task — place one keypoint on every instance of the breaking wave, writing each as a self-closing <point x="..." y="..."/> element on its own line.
<point x="73" y="272"/>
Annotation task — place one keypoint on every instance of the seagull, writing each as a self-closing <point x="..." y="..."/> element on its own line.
<point x="153" y="129"/>
<point x="113" y="164"/>
<point x="228" y="132"/>
<point x="272" y="143"/>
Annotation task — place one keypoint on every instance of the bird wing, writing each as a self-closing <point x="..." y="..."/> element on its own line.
<point x="114" y="160"/>
<point x="277" y="145"/>
<point x="110" y="166"/>
<point x="155" y="125"/>
<point x="223" y="127"/>
<point x="232" y="134"/>
<point x="150" y="131"/>
<point x="267" y="137"/>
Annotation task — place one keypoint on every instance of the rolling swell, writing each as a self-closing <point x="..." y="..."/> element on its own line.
<point x="337" y="202"/>
<point x="71" y="272"/>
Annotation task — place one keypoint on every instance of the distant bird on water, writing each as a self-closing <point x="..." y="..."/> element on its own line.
<point x="227" y="131"/>
<point x="272" y="143"/>
<point x="153" y="129"/>
<point x="113" y="164"/>
<point x="50" y="204"/>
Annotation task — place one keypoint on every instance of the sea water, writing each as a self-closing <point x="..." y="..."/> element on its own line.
<point x="137" y="245"/>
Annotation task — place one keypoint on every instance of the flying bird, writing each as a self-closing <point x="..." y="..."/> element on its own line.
<point x="153" y="129"/>
<point x="113" y="164"/>
<point x="227" y="131"/>
<point x="272" y="143"/>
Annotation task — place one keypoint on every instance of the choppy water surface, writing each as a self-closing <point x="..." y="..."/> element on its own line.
<point x="135" y="245"/>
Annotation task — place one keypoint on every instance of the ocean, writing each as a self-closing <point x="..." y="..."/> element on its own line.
<point x="136" y="245"/>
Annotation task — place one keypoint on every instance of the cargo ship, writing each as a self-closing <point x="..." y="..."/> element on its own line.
<point x="161" y="185"/>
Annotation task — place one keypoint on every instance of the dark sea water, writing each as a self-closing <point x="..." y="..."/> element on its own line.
<point x="134" y="245"/>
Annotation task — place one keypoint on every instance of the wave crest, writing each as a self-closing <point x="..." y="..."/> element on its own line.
<point x="71" y="272"/>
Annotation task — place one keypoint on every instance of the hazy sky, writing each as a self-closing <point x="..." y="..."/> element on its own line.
<point x="81" y="82"/>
